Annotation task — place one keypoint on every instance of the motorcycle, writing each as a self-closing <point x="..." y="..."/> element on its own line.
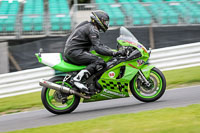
<point x="123" y="75"/>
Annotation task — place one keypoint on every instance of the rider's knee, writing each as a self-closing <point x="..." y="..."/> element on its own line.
<point x="100" y="64"/>
<point x="96" y="66"/>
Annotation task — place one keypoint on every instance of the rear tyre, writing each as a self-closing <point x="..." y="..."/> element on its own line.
<point x="57" y="102"/>
<point x="152" y="93"/>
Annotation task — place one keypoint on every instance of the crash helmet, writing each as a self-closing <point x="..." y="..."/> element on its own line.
<point x="101" y="19"/>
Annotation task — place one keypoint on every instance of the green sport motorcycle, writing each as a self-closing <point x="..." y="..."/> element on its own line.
<point x="123" y="73"/>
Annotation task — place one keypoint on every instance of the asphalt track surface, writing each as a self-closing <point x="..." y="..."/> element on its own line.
<point x="172" y="98"/>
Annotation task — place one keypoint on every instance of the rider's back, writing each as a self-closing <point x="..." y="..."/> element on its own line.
<point x="79" y="37"/>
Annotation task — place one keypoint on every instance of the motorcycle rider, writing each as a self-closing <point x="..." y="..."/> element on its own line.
<point x="83" y="37"/>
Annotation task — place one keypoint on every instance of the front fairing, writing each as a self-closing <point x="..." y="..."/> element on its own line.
<point x="127" y="39"/>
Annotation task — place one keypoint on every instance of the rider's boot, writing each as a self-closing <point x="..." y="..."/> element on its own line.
<point x="79" y="77"/>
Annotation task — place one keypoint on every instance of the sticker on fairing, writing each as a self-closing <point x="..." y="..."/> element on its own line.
<point x="139" y="46"/>
<point x="111" y="74"/>
<point x="140" y="62"/>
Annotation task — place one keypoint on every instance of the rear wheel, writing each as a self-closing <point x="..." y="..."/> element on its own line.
<point x="149" y="94"/>
<point x="58" y="102"/>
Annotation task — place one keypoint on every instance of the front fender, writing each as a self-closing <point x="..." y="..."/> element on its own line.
<point x="146" y="69"/>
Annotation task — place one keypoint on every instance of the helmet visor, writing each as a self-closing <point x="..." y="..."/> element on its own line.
<point x="106" y="23"/>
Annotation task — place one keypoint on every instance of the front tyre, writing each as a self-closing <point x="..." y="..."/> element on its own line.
<point x="57" y="102"/>
<point x="152" y="93"/>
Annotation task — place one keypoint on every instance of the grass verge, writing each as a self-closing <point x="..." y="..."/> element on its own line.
<point x="168" y="120"/>
<point x="20" y="103"/>
<point x="182" y="77"/>
<point x="175" y="78"/>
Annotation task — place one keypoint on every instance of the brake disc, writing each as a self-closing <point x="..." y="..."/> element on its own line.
<point x="148" y="90"/>
<point x="58" y="96"/>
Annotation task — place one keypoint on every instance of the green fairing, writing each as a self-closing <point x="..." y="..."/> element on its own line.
<point x="123" y="43"/>
<point x="107" y="94"/>
<point x="146" y="69"/>
<point x="63" y="66"/>
<point x="111" y="84"/>
<point x="112" y="87"/>
<point x="130" y="72"/>
<point x="139" y="46"/>
<point x="115" y="69"/>
<point x="128" y="75"/>
<point x="66" y="67"/>
<point x="105" y="58"/>
<point x="108" y="83"/>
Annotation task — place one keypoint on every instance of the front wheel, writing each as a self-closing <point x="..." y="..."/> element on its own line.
<point x="152" y="93"/>
<point x="57" y="102"/>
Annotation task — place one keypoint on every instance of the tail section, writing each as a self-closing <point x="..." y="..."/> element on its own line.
<point x="49" y="59"/>
<point x="55" y="61"/>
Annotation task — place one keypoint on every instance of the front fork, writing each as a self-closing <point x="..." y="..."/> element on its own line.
<point x="143" y="78"/>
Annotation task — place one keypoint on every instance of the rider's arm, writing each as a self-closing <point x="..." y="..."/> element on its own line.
<point x="98" y="47"/>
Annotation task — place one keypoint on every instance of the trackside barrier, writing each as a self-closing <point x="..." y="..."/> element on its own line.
<point x="176" y="57"/>
<point x="23" y="82"/>
<point x="27" y="81"/>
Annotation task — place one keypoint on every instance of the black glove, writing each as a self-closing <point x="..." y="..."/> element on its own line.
<point x="120" y="52"/>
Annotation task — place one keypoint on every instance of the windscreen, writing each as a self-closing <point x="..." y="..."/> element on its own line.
<point x="126" y="35"/>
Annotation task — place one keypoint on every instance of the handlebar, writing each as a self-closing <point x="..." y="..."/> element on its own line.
<point x="131" y="53"/>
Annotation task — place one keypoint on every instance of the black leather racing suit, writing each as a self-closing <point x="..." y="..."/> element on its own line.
<point x="78" y="45"/>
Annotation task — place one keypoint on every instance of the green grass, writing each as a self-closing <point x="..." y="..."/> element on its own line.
<point x="20" y="103"/>
<point x="168" y="120"/>
<point x="182" y="77"/>
<point x="175" y="78"/>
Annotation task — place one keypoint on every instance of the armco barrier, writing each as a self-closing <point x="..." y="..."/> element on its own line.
<point x="26" y="81"/>
<point x="23" y="82"/>
<point x="176" y="57"/>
